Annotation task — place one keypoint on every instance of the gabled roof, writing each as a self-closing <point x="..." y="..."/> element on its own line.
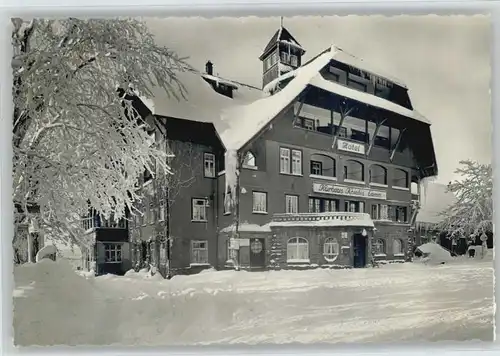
<point x="249" y="120"/>
<point x="203" y="133"/>
<point x="281" y="35"/>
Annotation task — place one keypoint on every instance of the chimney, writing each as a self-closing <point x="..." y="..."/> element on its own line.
<point x="209" y="68"/>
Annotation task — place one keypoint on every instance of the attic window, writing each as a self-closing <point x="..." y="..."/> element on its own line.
<point x="249" y="160"/>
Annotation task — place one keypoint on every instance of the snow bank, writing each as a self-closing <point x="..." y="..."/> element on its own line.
<point x="435" y="253"/>
<point x="407" y="302"/>
<point x="45" y="252"/>
<point x="60" y="306"/>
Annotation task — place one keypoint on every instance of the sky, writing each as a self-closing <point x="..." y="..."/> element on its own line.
<point x="444" y="61"/>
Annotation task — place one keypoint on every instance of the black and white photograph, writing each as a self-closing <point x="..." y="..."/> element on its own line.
<point x="185" y="181"/>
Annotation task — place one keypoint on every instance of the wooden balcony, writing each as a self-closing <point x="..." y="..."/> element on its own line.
<point x="331" y="219"/>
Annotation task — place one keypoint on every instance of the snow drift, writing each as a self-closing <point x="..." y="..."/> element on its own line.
<point x="407" y="302"/>
<point x="434" y="253"/>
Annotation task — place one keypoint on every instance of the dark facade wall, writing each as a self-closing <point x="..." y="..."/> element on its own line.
<point x="389" y="232"/>
<point x="188" y="182"/>
<point x="269" y="179"/>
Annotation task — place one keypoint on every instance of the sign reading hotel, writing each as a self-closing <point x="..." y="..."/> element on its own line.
<point x="335" y="189"/>
<point x="351" y="147"/>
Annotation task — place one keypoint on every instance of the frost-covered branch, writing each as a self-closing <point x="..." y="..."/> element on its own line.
<point x="472" y="212"/>
<point x="76" y="140"/>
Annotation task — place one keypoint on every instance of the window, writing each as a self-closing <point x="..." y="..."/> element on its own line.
<point x="304" y="123"/>
<point x="379" y="247"/>
<point x="316" y="168"/>
<point x="113" y="253"/>
<point x="382" y="91"/>
<point x="199" y="252"/>
<point x="380" y="212"/>
<point x="297" y="250"/>
<point x="356" y="84"/>
<point x="331" y="249"/>
<point x="284" y="160"/>
<point x="400" y="178"/>
<point x="293" y="165"/>
<point x="378" y="174"/>
<point x="162" y="210"/>
<point x="321" y="205"/>
<point x="398" y="214"/>
<point x="249" y="160"/>
<point x="354" y="206"/>
<point x="293" y="60"/>
<point x="259" y="202"/>
<point x="209" y="162"/>
<point x="397" y="247"/>
<point x="199" y="211"/>
<point x="354" y="170"/>
<point x="291" y="204"/>
<point x="296" y="162"/>
<point x="323" y="165"/>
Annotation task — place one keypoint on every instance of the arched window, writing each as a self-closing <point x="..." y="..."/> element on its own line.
<point x="354" y="170"/>
<point x="331" y="249"/>
<point x="397" y="247"/>
<point x="379" y="247"/>
<point x="297" y="250"/>
<point x="323" y="165"/>
<point x="249" y="159"/>
<point x="378" y="174"/>
<point x="400" y="178"/>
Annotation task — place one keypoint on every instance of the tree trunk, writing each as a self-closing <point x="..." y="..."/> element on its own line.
<point x="29" y="241"/>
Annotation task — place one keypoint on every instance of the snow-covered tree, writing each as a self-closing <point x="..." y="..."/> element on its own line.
<point x="77" y="139"/>
<point x="472" y="212"/>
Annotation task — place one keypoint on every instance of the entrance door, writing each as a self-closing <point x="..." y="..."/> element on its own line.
<point x="257" y="253"/>
<point x="359" y="247"/>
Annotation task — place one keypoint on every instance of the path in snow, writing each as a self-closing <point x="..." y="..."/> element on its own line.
<point x="395" y="303"/>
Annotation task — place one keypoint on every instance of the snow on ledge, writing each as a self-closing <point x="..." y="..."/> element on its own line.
<point x="220" y="80"/>
<point x="246" y="227"/>
<point x="327" y="222"/>
<point x="366" y="98"/>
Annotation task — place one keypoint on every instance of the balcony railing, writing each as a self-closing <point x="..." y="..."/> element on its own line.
<point x="341" y="217"/>
<point x="96" y="222"/>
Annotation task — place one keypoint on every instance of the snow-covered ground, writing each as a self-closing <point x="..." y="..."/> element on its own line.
<point x="393" y="303"/>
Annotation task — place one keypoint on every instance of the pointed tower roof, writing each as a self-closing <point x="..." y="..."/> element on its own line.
<point x="281" y="35"/>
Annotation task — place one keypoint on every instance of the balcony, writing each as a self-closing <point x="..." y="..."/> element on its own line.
<point x="93" y="223"/>
<point x="330" y="219"/>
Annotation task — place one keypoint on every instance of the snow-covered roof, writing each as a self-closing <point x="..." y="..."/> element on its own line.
<point x="358" y="63"/>
<point x="435" y="199"/>
<point x="217" y="79"/>
<point x="201" y="102"/>
<point x="248" y="120"/>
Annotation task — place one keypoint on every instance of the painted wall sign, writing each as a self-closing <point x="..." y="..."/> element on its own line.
<point x="351" y="146"/>
<point x="336" y="189"/>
